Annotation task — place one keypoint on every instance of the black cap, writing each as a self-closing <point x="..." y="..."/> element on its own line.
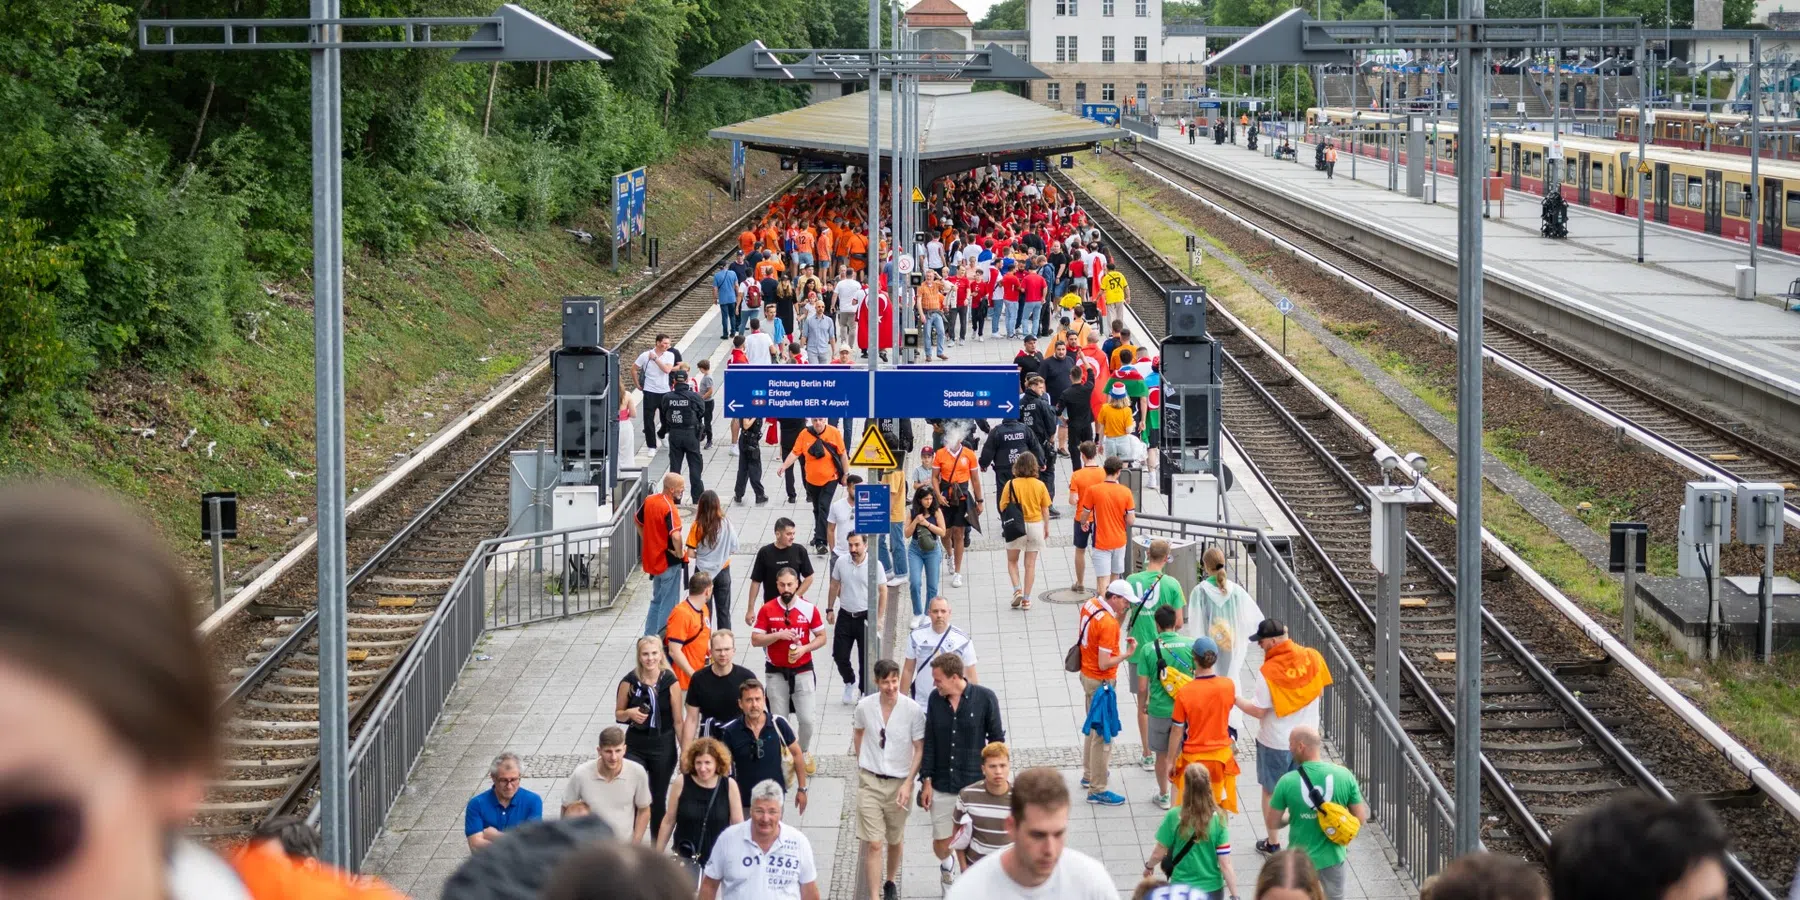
<point x="1269" y="628"/>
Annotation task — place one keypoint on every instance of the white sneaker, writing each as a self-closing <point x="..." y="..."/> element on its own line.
<point x="920" y="621"/>
<point x="734" y="450"/>
<point x="896" y="581"/>
<point x="956" y="580"/>
<point x="850" y="694"/>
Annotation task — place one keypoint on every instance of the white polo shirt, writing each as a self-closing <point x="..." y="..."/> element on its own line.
<point x="922" y="647"/>
<point x="746" y="872"/>
<point x="853" y="581"/>
<point x="904" y="725"/>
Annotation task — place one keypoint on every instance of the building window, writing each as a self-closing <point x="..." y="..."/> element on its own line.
<point x="1081" y="97"/>
<point x="1140" y="49"/>
<point x="1073" y="55"/>
<point x="1168" y="90"/>
<point x="1143" y="93"/>
<point x="1106" y="49"/>
<point x="1143" y="9"/>
<point x="1062" y="7"/>
<point x="1734" y="199"/>
<point x="1107" y="93"/>
<point x="1053" y="92"/>
<point x="1106" y="8"/>
<point x="1062" y="49"/>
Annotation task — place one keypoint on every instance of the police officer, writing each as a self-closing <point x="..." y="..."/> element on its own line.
<point x="1038" y="415"/>
<point x="1002" y="448"/>
<point x="683" y="412"/>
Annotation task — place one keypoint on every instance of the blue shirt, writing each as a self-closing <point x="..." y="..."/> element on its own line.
<point x="484" y="811"/>
<point x="725" y="283"/>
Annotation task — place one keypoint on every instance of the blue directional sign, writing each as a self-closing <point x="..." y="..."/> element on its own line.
<point x="1207" y="104"/>
<point x="1067" y="162"/>
<point x="872" y="508"/>
<point x="796" y="392"/>
<point x="1104" y="113"/>
<point x="947" y="392"/>
<point x="1025" y="165"/>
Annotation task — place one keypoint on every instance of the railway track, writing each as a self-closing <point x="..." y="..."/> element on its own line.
<point x="1563" y="728"/>
<point x="405" y="554"/>
<point x="1731" y="449"/>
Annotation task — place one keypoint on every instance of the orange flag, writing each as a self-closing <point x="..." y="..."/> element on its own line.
<point x="1296" y="676"/>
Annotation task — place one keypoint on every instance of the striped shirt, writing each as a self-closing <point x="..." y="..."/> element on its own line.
<point x="988" y="811"/>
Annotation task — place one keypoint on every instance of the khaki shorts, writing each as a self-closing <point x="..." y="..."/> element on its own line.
<point x="878" y="813"/>
<point x="943" y="816"/>
<point x="1031" y="541"/>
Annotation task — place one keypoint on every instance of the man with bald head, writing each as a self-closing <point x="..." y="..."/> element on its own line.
<point x="1297" y="797"/>
<point x="664" y="551"/>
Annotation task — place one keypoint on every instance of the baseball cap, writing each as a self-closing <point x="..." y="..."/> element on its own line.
<point x="1204" y="645"/>
<point x="1121" y="587"/>
<point x="1269" y="628"/>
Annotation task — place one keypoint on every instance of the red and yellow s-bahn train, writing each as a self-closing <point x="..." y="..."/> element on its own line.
<point x="1727" y="133"/>
<point x="1703" y="192"/>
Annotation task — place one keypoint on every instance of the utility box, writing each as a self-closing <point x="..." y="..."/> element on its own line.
<point x="1705" y="526"/>
<point x="1746" y="282"/>
<point x="1184" y="560"/>
<point x="583" y="324"/>
<point x="1759" y="513"/>
<point x="1195" y="495"/>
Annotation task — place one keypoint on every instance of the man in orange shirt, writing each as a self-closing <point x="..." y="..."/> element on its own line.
<point x="664" y="552"/>
<point x="1200" y="726"/>
<point x="856" y="246"/>
<point x="956" y="466"/>
<point x="688" y="639"/>
<point x="1087" y="474"/>
<point x="931" y="304"/>
<point x="826" y="466"/>
<point x="1109" y="508"/>
<point x="747" y="241"/>
<point x="1100" y="659"/>
<point x="827" y="240"/>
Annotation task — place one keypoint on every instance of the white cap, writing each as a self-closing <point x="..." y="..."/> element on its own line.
<point x="1120" y="586"/>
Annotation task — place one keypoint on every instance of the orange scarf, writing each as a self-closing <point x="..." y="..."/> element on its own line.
<point x="1296" y="676"/>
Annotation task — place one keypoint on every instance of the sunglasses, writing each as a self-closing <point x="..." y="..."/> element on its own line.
<point x="38" y="835"/>
<point x="883" y="744"/>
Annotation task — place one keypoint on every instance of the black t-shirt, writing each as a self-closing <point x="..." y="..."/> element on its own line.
<point x="1058" y="374"/>
<point x="1058" y="259"/>
<point x="1076" y="405"/>
<point x="715" y="695"/>
<point x="1028" y="364"/>
<point x="772" y="559"/>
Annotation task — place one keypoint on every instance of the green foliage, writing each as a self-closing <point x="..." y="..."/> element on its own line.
<point x="1010" y="15"/>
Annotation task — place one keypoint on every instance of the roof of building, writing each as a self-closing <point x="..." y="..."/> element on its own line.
<point x="938" y="14"/>
<point x="976" y="125"/>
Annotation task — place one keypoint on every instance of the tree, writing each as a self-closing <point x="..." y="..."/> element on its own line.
<point x="1009" y="15"/>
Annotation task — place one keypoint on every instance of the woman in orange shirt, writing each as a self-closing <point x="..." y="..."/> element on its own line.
<point x="956" y="465"/>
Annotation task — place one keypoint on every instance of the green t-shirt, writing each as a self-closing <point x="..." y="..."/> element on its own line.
<point x="1303" y="822"/>
<point x="1168" y="593"/>
<point x="1177" y="651"/>
<point x="1199" y="867"/>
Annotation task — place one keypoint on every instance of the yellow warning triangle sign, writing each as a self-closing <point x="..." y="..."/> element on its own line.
<point x="873" y="452"/>
<point x="918" y="195"/>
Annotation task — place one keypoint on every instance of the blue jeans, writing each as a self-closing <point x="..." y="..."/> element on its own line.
<point x="924" y="566"/>
<point x="1033" y="312"/>
<point x="665" y="592"/>
<point x="934" y="329"/>
<point x="892" y="552"/>
<point x="728" y="320"/>
<point x="1009" y="317"/>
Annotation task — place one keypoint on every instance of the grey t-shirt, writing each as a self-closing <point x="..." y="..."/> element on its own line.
<point x="616" y="802"/>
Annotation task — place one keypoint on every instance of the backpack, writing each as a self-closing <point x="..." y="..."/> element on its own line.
<point x="1336" y="821"/>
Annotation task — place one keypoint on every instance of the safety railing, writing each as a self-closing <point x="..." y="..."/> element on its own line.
<point x="507" y="581"/>
<point x="1405" y="797"/>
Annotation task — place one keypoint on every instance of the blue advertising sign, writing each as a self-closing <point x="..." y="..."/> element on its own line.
<point x="1025" y="165"/>
<point x="872" y="508"/>
<point x="1207" y="104"/>
<point x="810" y="166"/>
<point x="622" y="208"/>
<point x="640" y="183"/>
<point x="737" y="160"/>
<point x="1104" y="113"/>
<point x="946" y="392"/>
<point x="794" y="392"/>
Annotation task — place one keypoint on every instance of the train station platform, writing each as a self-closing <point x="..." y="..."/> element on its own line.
<point x="1675" y="314"/>
<point x="545" y="691"/>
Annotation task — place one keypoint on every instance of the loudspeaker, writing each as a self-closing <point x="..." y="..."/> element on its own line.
<point x="580" y="372"/>
<point x="1185" y="419"/>
<point x="1187" y="363"/>
<point x="581" y="424"/>
<point x="583" y="323"/>
<point x="1187" y="313"/>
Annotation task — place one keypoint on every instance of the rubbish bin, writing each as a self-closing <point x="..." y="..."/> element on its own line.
<point x="1184" y="559"/>
<point x="1746" y="282"/>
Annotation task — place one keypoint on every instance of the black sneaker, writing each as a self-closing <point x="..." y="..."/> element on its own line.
<point x="762" y="501"/>
<point x="890" y="891"/>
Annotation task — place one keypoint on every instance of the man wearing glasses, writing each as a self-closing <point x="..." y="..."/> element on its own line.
<point x="888" y="741"/>
<point x="757" y="740"/>
<point x="502" y="807"/>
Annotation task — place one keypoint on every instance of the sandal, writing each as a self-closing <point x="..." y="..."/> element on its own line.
<point x="1018" y="598"/>
<point x="1024" y="604"/>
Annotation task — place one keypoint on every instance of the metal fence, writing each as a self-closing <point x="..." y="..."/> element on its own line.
<point x="1404" y="794"/>
<point x="507" y="581"/>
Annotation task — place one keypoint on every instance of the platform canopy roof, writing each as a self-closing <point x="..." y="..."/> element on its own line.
<point x="956" y="130"/>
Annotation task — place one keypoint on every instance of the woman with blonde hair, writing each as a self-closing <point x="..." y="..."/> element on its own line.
<point x="1116" y="422"/>
<point x="1196" y="841"/>
<point x="1227" y="613"/>
<point x="1027" y="491"/>
<point x="650" y="706"/>
<point x="704" y="799"/>
<point x="1289" y="875"/>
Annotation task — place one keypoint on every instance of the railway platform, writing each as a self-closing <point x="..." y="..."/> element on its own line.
<point x="545" y="691"/>
<point x="1676" y="314"/>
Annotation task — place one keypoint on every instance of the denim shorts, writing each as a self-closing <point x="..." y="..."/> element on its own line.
<point x="1271" y="764"/>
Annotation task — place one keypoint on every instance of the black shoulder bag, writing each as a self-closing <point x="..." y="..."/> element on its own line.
<point x="1012" y="518"/>
<point x="925" y="664"/>
<point x="1169" y="863"/>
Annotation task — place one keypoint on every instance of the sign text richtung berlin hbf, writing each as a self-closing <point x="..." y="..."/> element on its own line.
<point x="925" y="392"/>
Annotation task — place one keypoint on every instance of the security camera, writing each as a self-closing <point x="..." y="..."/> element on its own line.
<point x="1418" y="463"/>
<point x="1389" y="464"/>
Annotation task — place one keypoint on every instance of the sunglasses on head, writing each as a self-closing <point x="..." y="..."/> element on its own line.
<point x="38" y="835"/>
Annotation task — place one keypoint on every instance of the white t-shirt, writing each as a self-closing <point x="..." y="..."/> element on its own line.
<point x="853" y="594"/>
<point x="922" y="648"/>
<point x="746" y="872"/>
<point x="841" y="515"/>
<point x="656" y="381"/>
<point x="904" y="725"/>
<point x="759" y="348"/>
<point x="1274" y="730"/>
<point x="1078" y="876"/>
<point x="934" y="254"/>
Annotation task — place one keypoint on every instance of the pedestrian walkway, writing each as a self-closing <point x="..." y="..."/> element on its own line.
<point x="544" y="691"/>
<point x="1682" y="297"/>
